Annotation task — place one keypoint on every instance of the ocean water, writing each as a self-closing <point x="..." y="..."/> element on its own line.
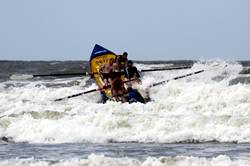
<point x="203" y="119"/>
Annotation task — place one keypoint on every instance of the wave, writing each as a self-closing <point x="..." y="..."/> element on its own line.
<point x="201" y="108"/>
<point x="106" y="161"/>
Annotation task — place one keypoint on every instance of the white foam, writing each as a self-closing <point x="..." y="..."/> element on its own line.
<point x="100" y="160"/>
<point x="197" y="108"/>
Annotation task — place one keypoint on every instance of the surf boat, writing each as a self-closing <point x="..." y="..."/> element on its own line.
<point x="101" y="56"/>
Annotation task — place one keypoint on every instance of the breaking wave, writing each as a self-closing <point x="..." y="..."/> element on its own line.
<point x="200" y="108"/>
<point x="106" y="161"/>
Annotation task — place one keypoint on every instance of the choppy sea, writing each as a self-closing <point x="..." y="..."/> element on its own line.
<point x="199" y="120"/>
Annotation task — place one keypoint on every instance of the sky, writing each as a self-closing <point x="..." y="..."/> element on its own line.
<point x="146" y="29"/>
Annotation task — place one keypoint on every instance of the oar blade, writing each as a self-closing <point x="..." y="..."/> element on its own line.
<point x="29" y="76"/>
<point x="20" y="77"/>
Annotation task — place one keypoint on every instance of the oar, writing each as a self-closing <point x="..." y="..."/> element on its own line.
<point x="88" y="74"/>
<point x="182" y="76"/>
<point x="28" y="76"/>
<point x="161" y="69"/>
<point x="89" y="91"/>
<point x="175" y="78"/>
<point x="79" y="94"/>
<point x="60" y="74"/>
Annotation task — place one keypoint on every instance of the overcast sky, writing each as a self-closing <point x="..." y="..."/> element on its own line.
<point x="146" y="29"/>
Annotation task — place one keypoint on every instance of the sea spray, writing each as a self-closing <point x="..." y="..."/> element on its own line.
<point x="199" y="108"/>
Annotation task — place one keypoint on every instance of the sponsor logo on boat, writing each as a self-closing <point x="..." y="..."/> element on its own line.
<point x="99" y="52"/>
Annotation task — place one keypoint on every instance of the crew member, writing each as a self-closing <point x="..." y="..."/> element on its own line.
<point x="118" y="89"/>
<point x="111" y="74"/>
<point x="131" y="71"/>
<point x="124" y="60"/>
<point x="106" y="71"/>
<point x="117" y="86"/>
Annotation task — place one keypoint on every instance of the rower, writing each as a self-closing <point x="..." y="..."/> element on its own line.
<point x="123" y="60"/>
<point x="118" y="89"/>
<point x="131" y="71"/>
<point x="117" y="85"/>
<point x="111" y="75"/>
<point x="106" y="71"/>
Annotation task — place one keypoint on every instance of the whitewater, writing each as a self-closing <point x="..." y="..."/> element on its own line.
<point x="207" y="108"/>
